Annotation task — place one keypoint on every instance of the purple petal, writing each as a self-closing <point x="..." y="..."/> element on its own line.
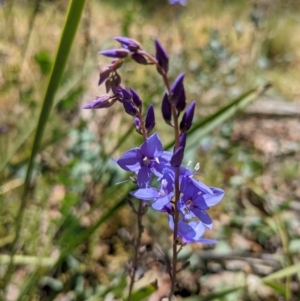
<point x="198" y="228"/>
<point x="161" y="202"/>
<point x="200" y="203"/>
<point x="115" y="53"/>
<point x="185" y="230"/>
<point x="166" y="157"/>
<point x="201" y="186"/>
<point x="128" y="43"/>
<point x="152" y="147"/>
<point x="215" y="198"/>
<point x="104" y="101"/>
<point x="146" y="194"/>
<point x="144" y="177"/>
<point x="131" y="160"/>
<point x="203" y="216"/>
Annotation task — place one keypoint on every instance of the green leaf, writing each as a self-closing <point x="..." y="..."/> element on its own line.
<point x="142" y="293"/>
<point x="278" y="287"/>
<point x="203" y="127"/>
<point x="288" y="271"/>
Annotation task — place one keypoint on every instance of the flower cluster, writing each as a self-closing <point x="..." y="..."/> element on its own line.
<point x="195" y="197"/>
<point x="162" y="181"/>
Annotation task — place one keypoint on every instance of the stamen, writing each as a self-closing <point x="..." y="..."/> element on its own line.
<point x="189" y="163"/>
<point x="146" y="161"/>
<point x="197" y="166"/>
<point x="156" y="160"/>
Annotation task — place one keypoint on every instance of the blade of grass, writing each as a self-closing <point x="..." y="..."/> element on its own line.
<point x="70" y="28"/>
<point x="203" y="127"/>
<point x="286" y="272"/>
<point x="278" y="287"/>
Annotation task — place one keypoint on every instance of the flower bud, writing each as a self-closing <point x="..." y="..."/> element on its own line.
<point x="137" y="125"/>
<point x="177" y="157"/>
<point x="182" y="140"/>
<point x="104" y="75"/>
<point x="113" y="82"/>
<point x="129" y="107"/>
<point x="136" y="98"/>
<point x="176" y="88"/>
<point x="104" y="101"/>
<point x="126" y="94"/>
<point x="150" y="119"/>
<point x="139" y="58"/>
<point x="115" y="53"/>
<point x="187" y="118"/>
<point x="162" y="57"/>
<point x="181" y="103"/>
<point x="166" y="109"/>
<point x="128" y="43"/>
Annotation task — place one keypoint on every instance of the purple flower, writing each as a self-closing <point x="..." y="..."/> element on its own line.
<point x="161" y="197"/>
<point x="196" y="198"/>
<point x="182" y="2"/>
<point x="130" y="44"/>
<point x="146" y="160"/>
<point x="104" y="101"/>
<point x="190" y="231"/>
<point x="116" y="53"/>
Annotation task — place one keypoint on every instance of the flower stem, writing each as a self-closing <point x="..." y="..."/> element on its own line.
<point x="140" y="213"/>
<point x="177" y="190"/>
<point x="176" y="212"/>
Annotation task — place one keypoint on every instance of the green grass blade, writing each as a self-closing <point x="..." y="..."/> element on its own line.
<point x="142" y="293"/>
<point x="288" y="271"/>
<point x="203" y="127"/>
<point x="70" y="28"/>
<point x="278" y="287"/>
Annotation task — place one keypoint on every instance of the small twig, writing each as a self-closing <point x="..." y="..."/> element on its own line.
<point x="136" y="248"/>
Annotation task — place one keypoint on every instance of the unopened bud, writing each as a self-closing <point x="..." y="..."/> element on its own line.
<point x="116" y="53"/>
<point x="166" y="109"/>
